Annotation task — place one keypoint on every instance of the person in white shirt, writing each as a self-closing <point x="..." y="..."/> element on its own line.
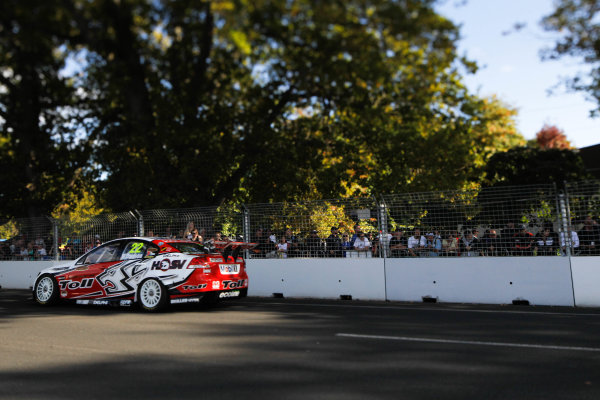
<point x="362" y="243"/>
<point x="416" y="243"/>
<point x="574" y="242"/>
<point x="40" y="252"/>
<point x="282" y="248"/>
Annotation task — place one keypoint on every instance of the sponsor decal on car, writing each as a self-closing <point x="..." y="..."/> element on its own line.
<point x="166" y="264"/>
<point x="229" y="269"/>
<point x="185" y="300"/>
<point x="216" y="285"/>
<point x="72" y="285"/>
<point x="234" y="293"/>
<point x="234" y="284"/>
<point x="194" y="287"/>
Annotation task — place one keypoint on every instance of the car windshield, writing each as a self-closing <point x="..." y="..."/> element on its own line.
<point x="190" y="248"/>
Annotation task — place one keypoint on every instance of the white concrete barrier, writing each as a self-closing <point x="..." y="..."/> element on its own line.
<point x="22" y="274"/>
<point x="586" y="281"/>
<point x="539" y="280"/>
<point x="490" y="280"/>
<point x="319" y="278"/>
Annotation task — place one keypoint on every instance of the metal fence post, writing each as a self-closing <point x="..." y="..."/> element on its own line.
<point x="565" y="225"/>
<point x="140" y="222"/>
<point x="246" y="227"/>
<point x="383" y="225"/>
<point x="55" y="238"/>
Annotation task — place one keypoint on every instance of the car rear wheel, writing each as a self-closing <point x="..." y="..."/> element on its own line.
<point x="152" y="295"/>
<point x="45" y="290"/>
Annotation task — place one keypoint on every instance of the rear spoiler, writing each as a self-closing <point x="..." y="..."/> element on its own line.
<point x="234" y="245"/>
<point x="232" y="248"/>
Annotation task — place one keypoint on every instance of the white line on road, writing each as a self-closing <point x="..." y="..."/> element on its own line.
<point x="469" y="342"/>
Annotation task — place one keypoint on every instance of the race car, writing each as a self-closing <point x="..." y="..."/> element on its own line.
<point x="151" y="272"/>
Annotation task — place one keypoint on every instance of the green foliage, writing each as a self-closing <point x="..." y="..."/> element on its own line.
<point x="9" y="230"/>
<point x="578" y="27"/>
<point x="528" y="166"/>
<point x="188" y="103"/>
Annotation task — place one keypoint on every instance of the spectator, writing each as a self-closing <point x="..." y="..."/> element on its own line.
<point x="589" y="242"/>
<point x="88" y="246"/>
<point x="313" y="245"/>
<point x="468" y="245"/>
<point x="282" y="248"/>
<point x="433" y="245"/>
<point x="416" y="243"/>
<point x="4" y="251"/>
<point x="334" y="243"/>
<point x="375" y="243"/>
<point x="272" y="237"/>
<point x="357" y="231"/>
<point x="491" y="244"/>
<point x="40" y="252"/>
<point x="346" y="245"/>
<point x="507" y="237"/>
<point x="398" y="244"/>
<point x="545" y="242"/>
<point x="195" y="236"/>
<point x="362" y="244"/>
<point x="523" y="242"/>
<point x="258" y="251"/>
<point x="450" y="244"/>
<point x="39" y="242"/>
<point x="573" y="243"/>
<point x="293" y="244"/>
<point x="150" y="233"/>
<point x="28" y="253"/>
<point x="382" y="243"/>
<point x="217" y="237"/>
<point x="187" y="233"/>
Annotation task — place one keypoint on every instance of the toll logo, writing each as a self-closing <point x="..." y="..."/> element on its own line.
<point x="72" y="285"/>
<point x="234" y="284"/>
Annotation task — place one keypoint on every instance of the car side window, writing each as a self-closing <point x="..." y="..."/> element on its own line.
<point x="134" y="250"/>
<point x="106" y="253"/>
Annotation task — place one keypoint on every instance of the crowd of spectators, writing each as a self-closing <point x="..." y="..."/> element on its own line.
<point x="509" y="240"/>
<point x="24" y="248"/>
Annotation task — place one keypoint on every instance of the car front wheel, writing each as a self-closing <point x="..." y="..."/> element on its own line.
<point x="152" y="295"/>
<point x="45" y="290"/>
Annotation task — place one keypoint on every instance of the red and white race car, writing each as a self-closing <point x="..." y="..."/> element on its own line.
<point x="151" y="272"/>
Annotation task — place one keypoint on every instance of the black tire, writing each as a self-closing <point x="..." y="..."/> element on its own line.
<point x="152" y="295"/>
<point x="45" y="290"/>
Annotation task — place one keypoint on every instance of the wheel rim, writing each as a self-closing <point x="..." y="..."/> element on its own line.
<point x="150" y="293"/>
<point x="45" y="288"/>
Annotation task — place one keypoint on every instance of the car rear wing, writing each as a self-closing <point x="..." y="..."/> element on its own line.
<point x="232" y="248"/>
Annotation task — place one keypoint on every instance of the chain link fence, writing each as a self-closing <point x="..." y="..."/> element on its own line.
<point x="533" y="220"/>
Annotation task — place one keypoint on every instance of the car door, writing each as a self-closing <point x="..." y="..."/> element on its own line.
<point x="81" y="282"/>
<point x="121" y="280"/>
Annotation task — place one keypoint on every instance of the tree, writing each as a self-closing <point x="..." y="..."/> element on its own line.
<point x="192" y="102"/>
<point x="38" y="156"/>
<point x="578" y="25"/>
<point x="551" y="137"/>
<point x="530" y="165"/>
<point x="199" y="102"/>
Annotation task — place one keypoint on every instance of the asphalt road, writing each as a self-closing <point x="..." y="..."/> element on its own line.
<point x="298" y="349"/>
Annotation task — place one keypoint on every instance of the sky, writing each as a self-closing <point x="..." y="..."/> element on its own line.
<point x="511" y="67"/>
